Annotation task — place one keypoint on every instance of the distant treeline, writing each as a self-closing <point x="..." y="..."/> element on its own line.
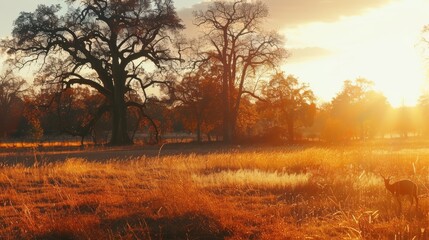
<point x="285" y="111"/>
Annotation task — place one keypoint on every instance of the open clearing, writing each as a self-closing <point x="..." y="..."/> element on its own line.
<point x="225" y="193"/>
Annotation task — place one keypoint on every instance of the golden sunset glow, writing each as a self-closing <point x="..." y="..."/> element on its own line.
<point x="382" y="45"/>
<point x="334" y="41"/>
<point x="214" y="119"/>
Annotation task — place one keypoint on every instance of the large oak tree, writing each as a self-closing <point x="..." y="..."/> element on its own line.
<point x="102" y="44"/>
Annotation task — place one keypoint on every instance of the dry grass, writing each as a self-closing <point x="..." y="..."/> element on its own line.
<point x="252" y="178"/>
<point x="15" y="145"/>
<point x="314" y="193"/>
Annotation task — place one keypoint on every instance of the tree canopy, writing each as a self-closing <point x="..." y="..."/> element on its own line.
<point x="198" y="95"/>
<point x="11" y="105"/>
<point x="289" y="103"/>
<point x="107" y="45"/>
<point x="357" y="111"/>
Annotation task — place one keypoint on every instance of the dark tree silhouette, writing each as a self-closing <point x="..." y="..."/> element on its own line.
<point x="102" y="44"/>
<point x="197" y="95"/>
<point x="289" y="103"/>
<point x="236" y="40"/>
<point x="77" y="110"/>
<point x="11" y="105"/>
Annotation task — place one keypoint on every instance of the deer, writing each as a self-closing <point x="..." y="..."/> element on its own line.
<point x="403" y="187"/>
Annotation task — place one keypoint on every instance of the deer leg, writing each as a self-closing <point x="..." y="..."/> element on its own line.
<point x="411" y="197"/>
<point x="417" y="201"/>
<point x="399" y="205"/>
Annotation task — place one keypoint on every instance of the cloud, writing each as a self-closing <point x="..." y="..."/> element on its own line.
<point x="295" y="12"/>
<point x="291" y="13"/>
<point x="306" y="54"/>
<point x="187" y="15"/>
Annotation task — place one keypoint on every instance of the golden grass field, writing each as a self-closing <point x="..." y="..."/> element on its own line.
<point x="252" y="193"/>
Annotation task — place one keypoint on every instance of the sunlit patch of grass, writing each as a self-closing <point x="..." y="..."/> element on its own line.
<point x="77" y="166"/>
<point x="252" y="178"/>
<point x="368" y="180"/>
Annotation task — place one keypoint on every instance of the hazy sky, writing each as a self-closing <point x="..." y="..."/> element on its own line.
<point x="332" y="41"/>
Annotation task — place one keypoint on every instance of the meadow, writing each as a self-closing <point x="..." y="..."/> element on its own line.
<point x="311" y="192"/>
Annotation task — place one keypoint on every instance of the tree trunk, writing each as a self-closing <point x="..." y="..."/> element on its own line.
<point x="227" y="123"/>
<point x="227" y="94"/>
<point x="119" y="120"/>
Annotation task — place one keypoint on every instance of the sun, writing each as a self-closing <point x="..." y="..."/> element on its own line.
<point x="382" y="45"/>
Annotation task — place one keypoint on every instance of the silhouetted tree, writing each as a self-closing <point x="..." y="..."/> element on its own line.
<point x="78" y="110"/>
<point x="357" y="111"/>
<point x="11" y="104"/>
<point x="288" y="103"/>
<point x="423" y="110"/>
<point x="238" y="43"/>
<point x="406" y="120"/>
<point x="247" y="119"/>
<point x="102" y="44"/>
<point x="157" y="119"/>
<point x="33" y="115"/>
<point x="197" y="96"/>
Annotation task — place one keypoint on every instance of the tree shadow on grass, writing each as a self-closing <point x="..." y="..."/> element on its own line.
<point x="58" y="235"/>
<point x="136" y="226"/>
<point x="188" y="226"/>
